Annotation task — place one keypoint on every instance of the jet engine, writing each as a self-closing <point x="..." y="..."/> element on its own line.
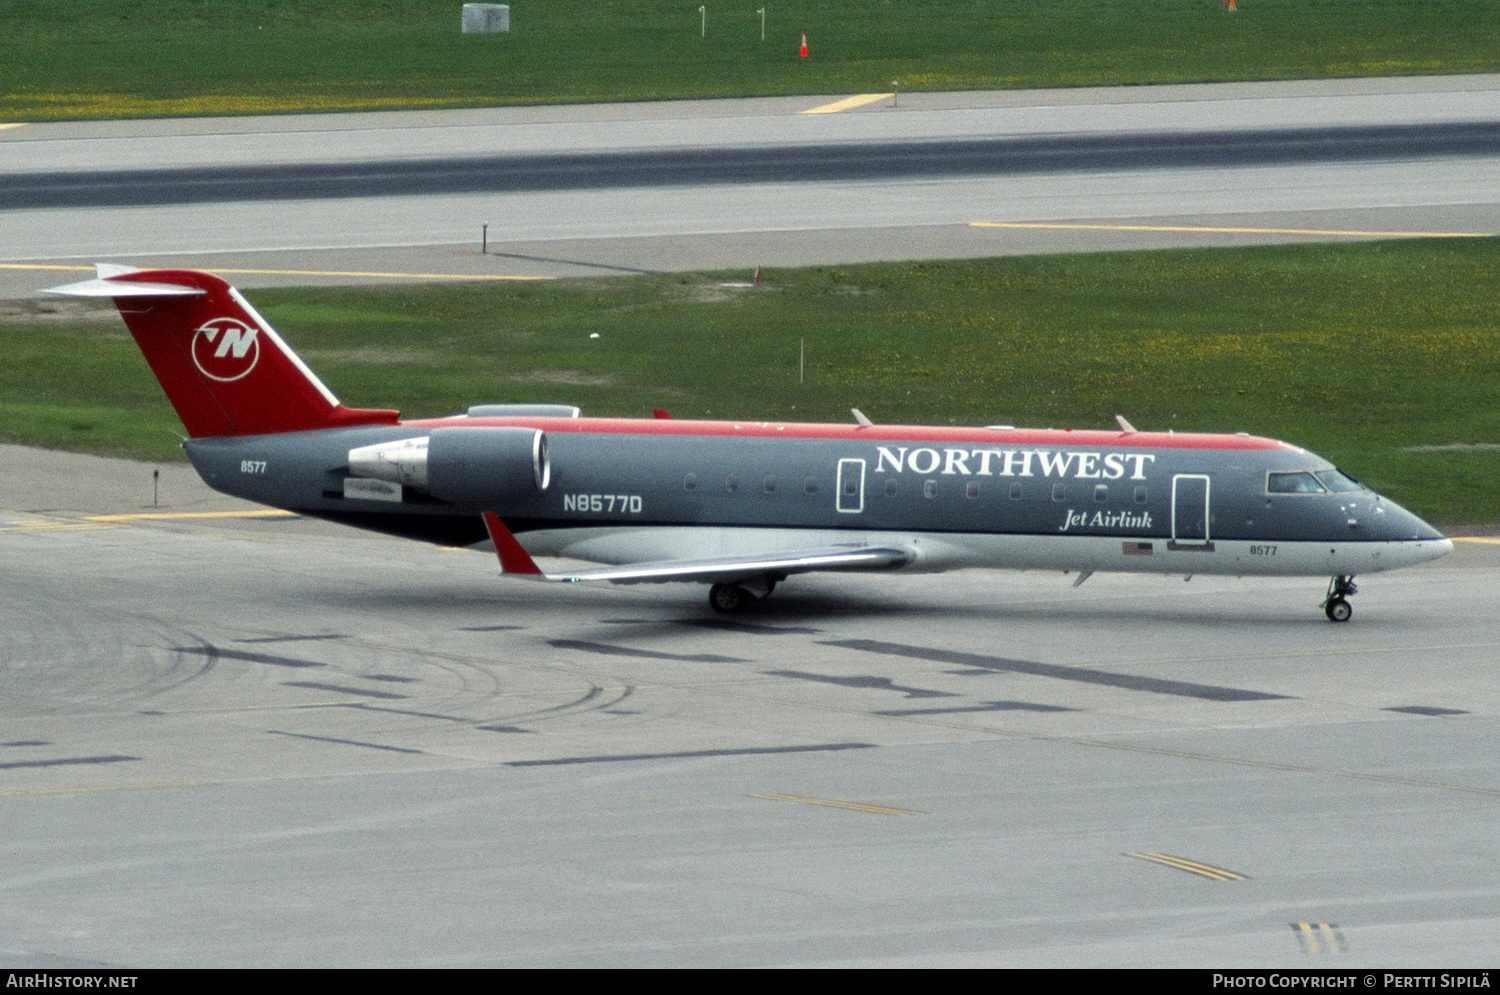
<point x="480" y="466"/>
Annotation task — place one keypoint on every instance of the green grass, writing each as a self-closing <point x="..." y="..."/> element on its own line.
<point x="1354" y="351"/>
<point x="68" y="59"/>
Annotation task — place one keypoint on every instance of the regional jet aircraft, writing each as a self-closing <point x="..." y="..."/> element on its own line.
<point x="743" y="505"/>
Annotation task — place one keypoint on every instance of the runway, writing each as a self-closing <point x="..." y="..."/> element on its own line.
<point x="237" y="738"/>
<point x="240" y="738"/>
<point x="665" y="187"/>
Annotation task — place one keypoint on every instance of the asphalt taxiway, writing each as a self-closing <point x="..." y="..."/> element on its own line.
<point x="239" y="738"/>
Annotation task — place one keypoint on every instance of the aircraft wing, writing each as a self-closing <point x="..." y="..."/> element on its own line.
<point x="725" y="570"/>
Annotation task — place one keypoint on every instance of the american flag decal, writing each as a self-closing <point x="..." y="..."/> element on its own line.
<point x="1136" y="548"/>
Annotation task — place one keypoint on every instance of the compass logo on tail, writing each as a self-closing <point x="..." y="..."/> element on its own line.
<point x="226" y="349"/>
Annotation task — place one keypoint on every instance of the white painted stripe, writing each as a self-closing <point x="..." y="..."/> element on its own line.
<point x="286" y="350"/>
<point x="165" y="515"/>
<point x="938" y="551"/>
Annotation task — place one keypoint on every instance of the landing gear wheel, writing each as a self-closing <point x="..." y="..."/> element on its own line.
<point x="1336" y="605"/>
<point x="729" y="599"/>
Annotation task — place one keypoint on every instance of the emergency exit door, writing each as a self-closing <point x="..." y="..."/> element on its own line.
<point x="1190" y="512"/>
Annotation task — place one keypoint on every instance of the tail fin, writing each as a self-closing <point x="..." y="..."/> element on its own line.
<point x="224" y="368"/>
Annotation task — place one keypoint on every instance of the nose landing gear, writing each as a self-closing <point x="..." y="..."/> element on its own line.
<point x="1335" y="606"/>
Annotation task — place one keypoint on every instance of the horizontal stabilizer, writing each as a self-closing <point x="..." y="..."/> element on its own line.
<point x="722" y="570"/>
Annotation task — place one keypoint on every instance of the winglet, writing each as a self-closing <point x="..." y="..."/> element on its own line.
<point x="513" y="559"/>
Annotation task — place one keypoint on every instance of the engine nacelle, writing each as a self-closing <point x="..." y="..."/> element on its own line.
<point x="483" y="466"/>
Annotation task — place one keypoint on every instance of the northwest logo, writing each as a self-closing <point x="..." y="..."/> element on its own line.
<point x="989" y="462"/>
<point x="226" y="349"/>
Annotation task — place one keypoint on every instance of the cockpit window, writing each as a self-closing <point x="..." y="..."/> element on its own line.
<point x="1293" y="483"/>
<point x="1339" y="482"/>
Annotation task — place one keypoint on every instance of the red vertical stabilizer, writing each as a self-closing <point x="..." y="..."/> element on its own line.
<point x="223" y="366"/>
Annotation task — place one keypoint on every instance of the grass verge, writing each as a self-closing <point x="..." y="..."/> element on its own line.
<point x="62" y="59"/>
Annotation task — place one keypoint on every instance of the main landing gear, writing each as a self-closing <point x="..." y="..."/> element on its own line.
<point x="1335" y="606"/>
<point x="731" y="599"/>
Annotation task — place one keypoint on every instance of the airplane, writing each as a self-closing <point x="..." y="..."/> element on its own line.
<point x="743" y="505"/>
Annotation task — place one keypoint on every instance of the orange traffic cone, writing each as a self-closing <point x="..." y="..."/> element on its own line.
<point x="804" y="44"/>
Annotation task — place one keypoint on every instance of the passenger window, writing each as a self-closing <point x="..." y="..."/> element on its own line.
<point x="810" y="485"/>
<point x="971" y="490"/>
<point x="1059" y="492"/>
<point x="1292" y="483"/>
<point x="1101" y="493"/>
<point x="929" y="488"/>
<point x="1015" y="490"/>
<point x="770" y="483"/>
<point x="890" y="487"/>
<point x="690" y="482"/>
<point x="1141" y="494"/>
<point x="732" y="483"/>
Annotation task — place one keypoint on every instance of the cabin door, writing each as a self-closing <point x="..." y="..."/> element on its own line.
<point x="1190" y="515"/>
<point x="851" y="486"/>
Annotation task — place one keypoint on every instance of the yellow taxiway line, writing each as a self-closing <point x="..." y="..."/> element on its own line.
<point x="848" y="103"/>
<point x="1232" y="231"/>
<point x="143" y="516"/>
<point x="379" y="275"/>
<point x="879" y="810"/>
<point x="49" y="526"/>
<point x="356" y="274"/>
<point x="40" y="266"/>
<point x="1191" y="866"/>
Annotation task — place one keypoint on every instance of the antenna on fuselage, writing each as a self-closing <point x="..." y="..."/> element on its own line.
<point x="860" y="418"/>
<point x="1125" y="426"/>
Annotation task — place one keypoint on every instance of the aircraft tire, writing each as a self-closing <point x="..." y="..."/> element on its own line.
<point x="1338" y="610"/>
<point x="729" y="599"/>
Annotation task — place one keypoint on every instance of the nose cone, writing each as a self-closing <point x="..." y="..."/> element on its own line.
<point x="1387" y="521"/>
<point x="1395" y="523"/>
<point x="1413" y="551"/>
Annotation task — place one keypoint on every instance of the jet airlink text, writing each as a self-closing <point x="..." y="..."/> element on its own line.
<point x="1107" y="520"/>
<point x="1014" y="463"/>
